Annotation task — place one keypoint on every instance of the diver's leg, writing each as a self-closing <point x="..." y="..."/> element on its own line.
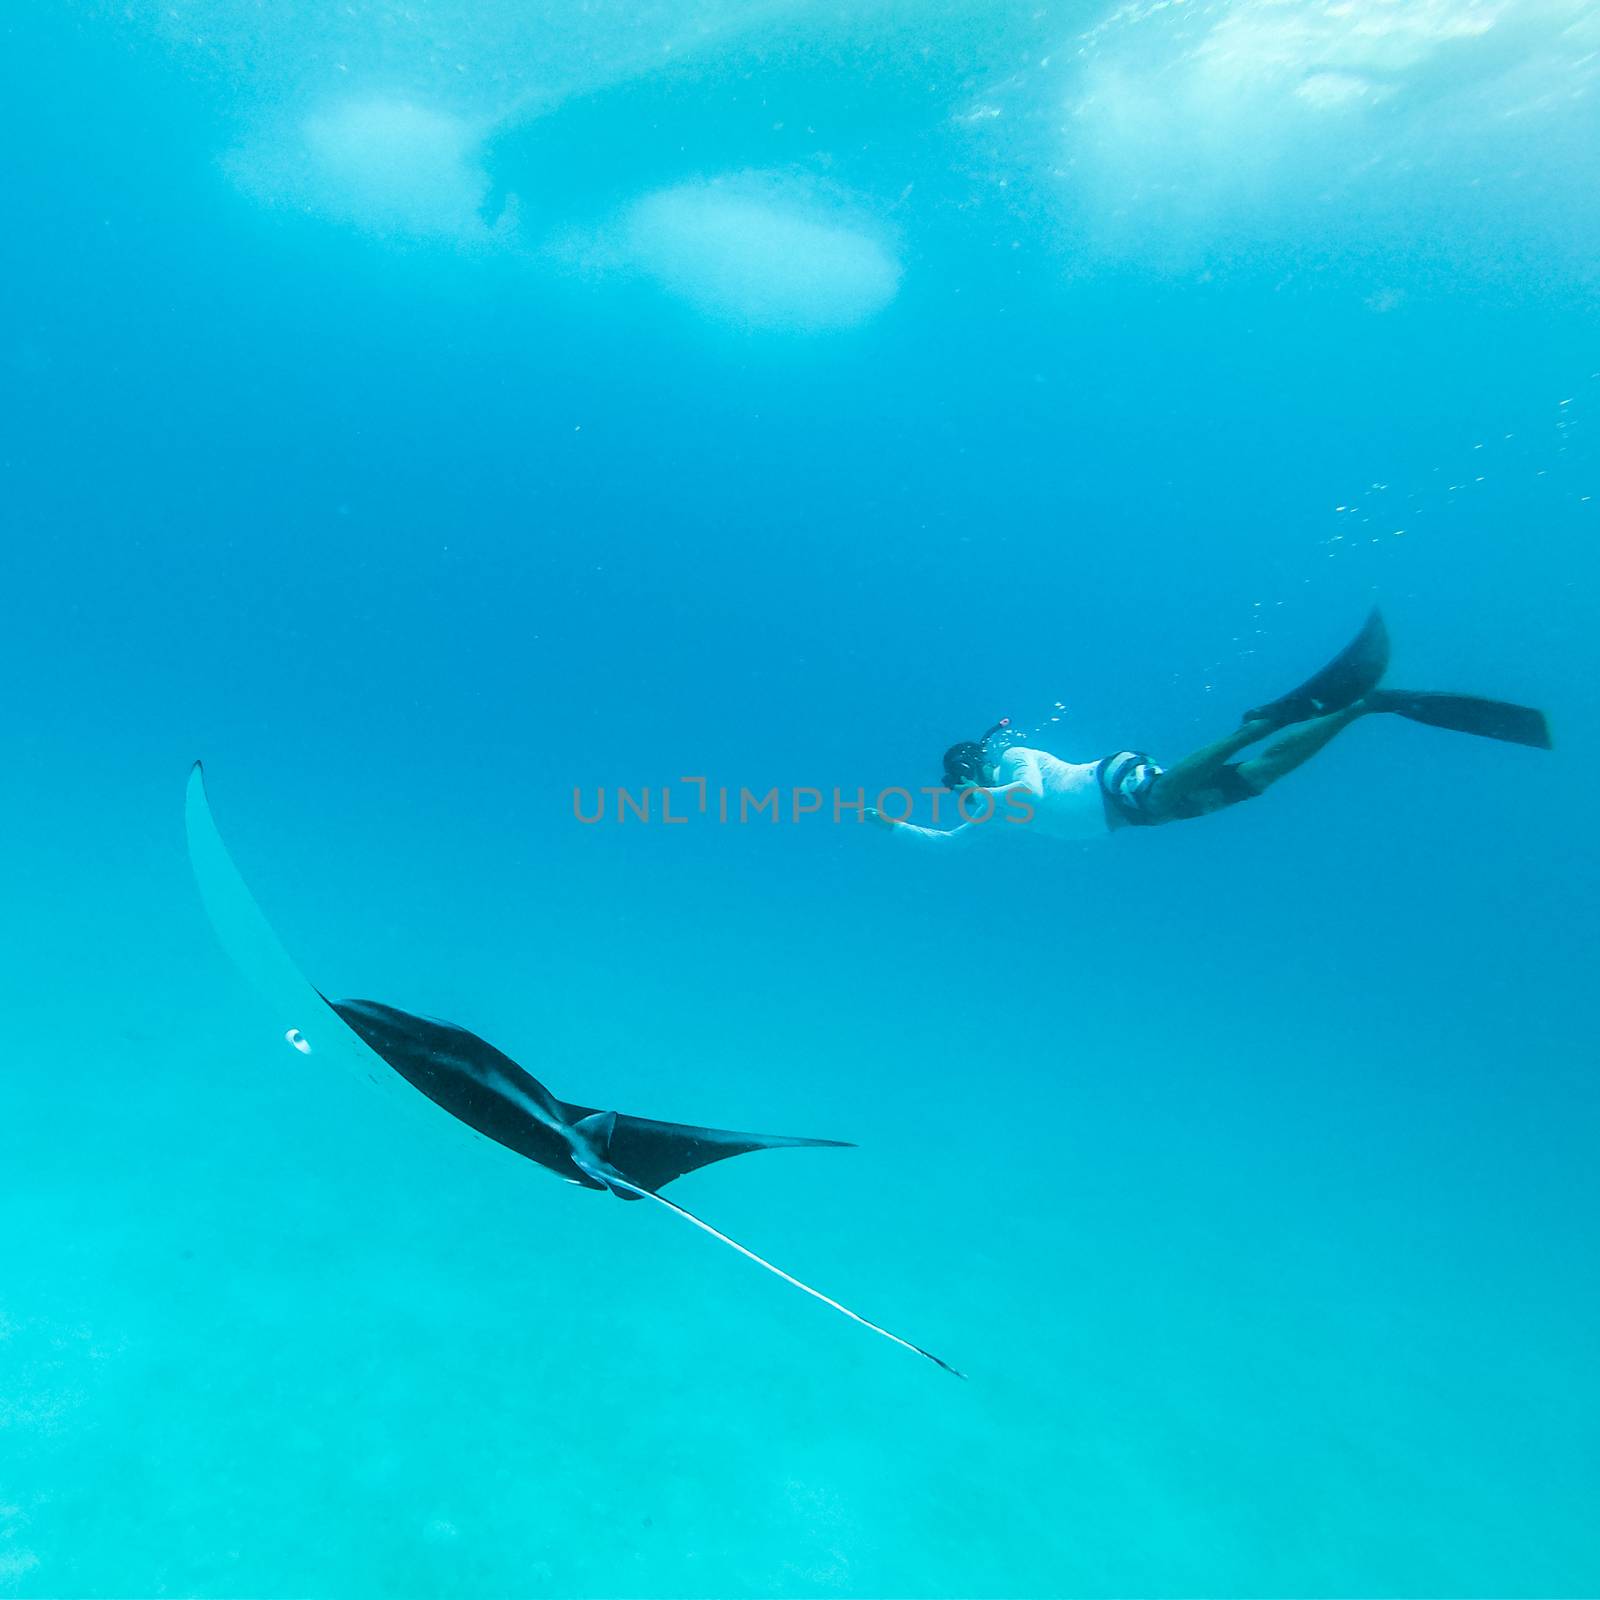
<point x="1296" y="747"/>
<point x="1210" y="779"/>
<point x="1207" y="781"/>
<point x="1195" y="769"/>
<point x="1202" y="782"/>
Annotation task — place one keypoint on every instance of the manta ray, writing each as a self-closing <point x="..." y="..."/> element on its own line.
<point x="631" y="1157"/>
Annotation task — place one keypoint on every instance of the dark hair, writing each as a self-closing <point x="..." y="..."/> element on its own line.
<point x="963" y="763"/>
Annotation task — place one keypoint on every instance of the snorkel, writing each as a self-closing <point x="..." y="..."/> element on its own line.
<point x="964" y="762"/>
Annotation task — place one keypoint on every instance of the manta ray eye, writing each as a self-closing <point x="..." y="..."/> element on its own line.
<point x="299" y="1041"/>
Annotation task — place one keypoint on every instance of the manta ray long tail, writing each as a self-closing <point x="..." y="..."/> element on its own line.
<point x="761" y="1261"/>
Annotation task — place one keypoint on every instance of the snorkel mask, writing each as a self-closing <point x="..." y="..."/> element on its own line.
<point x="964" y="762"/>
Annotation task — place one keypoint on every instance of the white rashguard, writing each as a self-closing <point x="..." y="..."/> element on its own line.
<point x="1064" y="798"/>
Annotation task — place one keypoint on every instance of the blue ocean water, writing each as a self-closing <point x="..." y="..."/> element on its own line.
<point x="424" y="413"/>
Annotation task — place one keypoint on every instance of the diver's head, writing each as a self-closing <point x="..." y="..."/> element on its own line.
<point x="968" y="763"/>
<point x="964" y="764"/>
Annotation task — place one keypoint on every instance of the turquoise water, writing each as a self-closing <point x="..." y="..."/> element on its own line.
<point x="422" y="413"/>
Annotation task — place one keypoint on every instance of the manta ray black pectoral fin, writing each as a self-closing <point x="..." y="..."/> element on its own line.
<point x="652" y="1154"/>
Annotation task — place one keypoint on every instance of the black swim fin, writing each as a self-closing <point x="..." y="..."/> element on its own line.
<point x="1353" y="673"/>
<point x="1466" y="713"/>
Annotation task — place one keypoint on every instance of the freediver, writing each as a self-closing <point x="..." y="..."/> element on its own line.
<point x="1018" y="789"/>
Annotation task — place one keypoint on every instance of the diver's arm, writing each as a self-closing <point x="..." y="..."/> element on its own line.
<point x="997" y="809"/>
<point x="912" y="830"/>
<point x="1001" y="791"/>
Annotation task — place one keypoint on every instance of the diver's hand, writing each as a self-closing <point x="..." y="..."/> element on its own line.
<point x="873" y="815"/>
